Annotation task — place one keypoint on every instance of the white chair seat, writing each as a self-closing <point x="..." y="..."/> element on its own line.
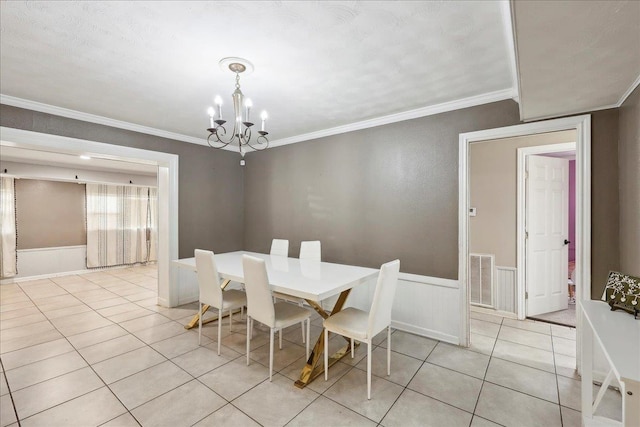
<point x="349" y="322"/>
<point x="289" y="314"/>
<point x="233" y="299"/>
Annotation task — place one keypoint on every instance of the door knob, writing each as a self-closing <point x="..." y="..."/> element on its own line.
<point x="566" y="242"/>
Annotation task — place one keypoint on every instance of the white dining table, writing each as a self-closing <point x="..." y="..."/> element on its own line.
<point x="313" y="281"/>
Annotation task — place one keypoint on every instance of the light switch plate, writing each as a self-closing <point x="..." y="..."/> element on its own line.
<point x="472" y="211"/>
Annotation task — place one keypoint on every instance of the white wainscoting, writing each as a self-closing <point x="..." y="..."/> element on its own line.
<point x="51" y="261"/>
<point x="426" y="306"/>
<point x="506" y="289"/>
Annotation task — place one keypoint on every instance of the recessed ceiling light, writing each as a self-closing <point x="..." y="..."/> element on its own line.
<point x="83" y="157"/>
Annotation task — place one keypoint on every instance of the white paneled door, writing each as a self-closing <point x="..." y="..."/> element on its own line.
<point x="547" y="231"/>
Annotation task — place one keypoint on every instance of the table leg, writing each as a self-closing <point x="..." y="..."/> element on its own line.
<point x="315" y="365"/>
<point x="587" y="370"/>
<point x="194" y="320"/>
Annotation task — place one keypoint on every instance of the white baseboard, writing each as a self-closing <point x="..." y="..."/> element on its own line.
<point x="424" y="332"/>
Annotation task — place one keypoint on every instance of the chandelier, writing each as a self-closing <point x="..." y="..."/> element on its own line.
<point x="219" y="136"/>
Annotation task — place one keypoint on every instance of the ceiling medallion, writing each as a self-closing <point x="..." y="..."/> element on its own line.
<point x="219" y="137"/>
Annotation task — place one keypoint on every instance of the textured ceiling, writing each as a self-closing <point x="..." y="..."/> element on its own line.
<point x="575" y="56"/>
<point x="318" y="65"/>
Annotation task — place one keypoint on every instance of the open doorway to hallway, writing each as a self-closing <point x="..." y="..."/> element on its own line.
<point x="509" y="219"/>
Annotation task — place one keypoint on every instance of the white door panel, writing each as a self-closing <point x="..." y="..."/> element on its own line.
<point x="547" y="223"/>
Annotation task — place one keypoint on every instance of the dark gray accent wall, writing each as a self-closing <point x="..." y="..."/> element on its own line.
<point x="210" y="181"/>
<point x="371" y="195"/>
<point x="629" y="161"/>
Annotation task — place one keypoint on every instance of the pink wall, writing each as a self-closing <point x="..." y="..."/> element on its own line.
<point x="572" y="210"/>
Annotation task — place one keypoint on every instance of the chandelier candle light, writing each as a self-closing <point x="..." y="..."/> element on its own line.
<point x="241" y="133"/>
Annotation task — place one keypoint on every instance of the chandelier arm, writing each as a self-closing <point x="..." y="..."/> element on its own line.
<point x="224" y="144"/>
<point x="260" y="140"/>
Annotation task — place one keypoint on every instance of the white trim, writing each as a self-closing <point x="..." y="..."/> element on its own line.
<point x="523" y="152"/>
<point x="53" y="248"/>
<point x="629" y="91"/>
<point x="509" y="34"/>
<point x="77" y="181"/>
<point x="64" y="273"/>
<point x="472" y="101"/>
<point x="493" y="312"/>
<point x="167" y="191"/>
<point x="428" y="280"/>
<point x="430" y="333"/>
<point x="582" y="125"/>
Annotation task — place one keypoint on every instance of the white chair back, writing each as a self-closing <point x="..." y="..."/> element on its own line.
<point x="280" y="247"/>
<point x="208" y="278"/>
<point x="311" y="250"/>
<point x="380" y="314"/>
<point x="259" y="297"/>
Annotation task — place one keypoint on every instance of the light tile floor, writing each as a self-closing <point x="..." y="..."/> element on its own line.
<point x="96" y="350"/>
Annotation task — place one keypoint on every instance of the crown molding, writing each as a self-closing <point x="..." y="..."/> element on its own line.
<point x="431" y="110"/>
<point x="629" y="91"/>
<point x="93" y="118"/>
<point x="506" y="10"/>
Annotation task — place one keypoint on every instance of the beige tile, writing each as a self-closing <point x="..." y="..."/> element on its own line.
<point x="182" y="406"/>
<point x="564" y="346"/>
<point x="403" y="368"/>
<point x="180" y="344"/>
<point x="8" y="315"/>
<point x="524" y="355"/>
<point x="414" y="409"/>
<point x="563" y="332"/>
<point x="410" y="344"/>
<point x="320" y="385"/>
<point x="570" y="418"/>
<point x="111" y="348"/>
<point x="160" y="332"/>
<point x="330" y="413"/>
<point x="67" y="311"/>
<point x="447" y="386"/>
<point x="105" y="303"/>
<point x="481" y="422"/>
<point x="127" y="364"/>
<point x="29" y="340"/>
<point x="140" y="388"/>
<point x="4" y="388"/>
<point x="86" y="339"/>
<point x="524" y="337"/>
<point x="529" y="325"/>
<point x="43" y="370"/>
<point x="459" y="359"/>
<point x="202" y="360"/>
<point x="493" y="318"/>
<point x="482" y="344"/>
<point x="481" y="327"/>
<point x="55" y="303"/>
<point x="78" y="323"/>
<point x="566" y="366"/>
<point x="35" y="353"/>
<point x="48" y="394"/>
<point x="130" y="315"/>
<point x="22" y="331"/>
<point x="521" y="378"/>
<point x="282" y="358"/>
<point x="264" y="402"/>
<point x="351" y="391"/>
<point x="124" y="420"/>
<point x="144" y="322"/>
<point x="16" y="306"/>
<point x="7" y="413"/>
<point x="521" y="410"/>
<point x="95" y="295"/>
<point x="117" y="309"/>
<point x="91" y="409"/>
<point x="21" y="321"/>
<point x="235" y="378"/>
<point x="570" y="396"/>
<point x="227" y="415"/>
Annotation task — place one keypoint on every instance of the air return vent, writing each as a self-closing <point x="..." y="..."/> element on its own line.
<point x="481" y="273"/>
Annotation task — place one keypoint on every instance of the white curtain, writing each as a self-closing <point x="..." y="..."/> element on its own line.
<point x="117" y="222"/>
<point x="8" y="265"/>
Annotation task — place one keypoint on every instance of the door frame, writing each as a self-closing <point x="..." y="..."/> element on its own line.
<point x="521" y="215"/>
<point x="582" y="126"/>
<point x="167" y="191"/>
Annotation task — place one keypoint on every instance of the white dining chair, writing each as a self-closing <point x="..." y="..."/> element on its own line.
<point x="362" y="326"/>
<point x="261" y="307"/>
<point x="212" y="295"/>
<point x="279" y="247"/>
<point x="309" y="251"/>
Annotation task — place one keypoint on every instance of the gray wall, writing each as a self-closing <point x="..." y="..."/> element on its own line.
<point x="629" y="160"/>
<point x="50" y="214"/>
<point x="210" y="181"/>
<point x="370" y="196"/>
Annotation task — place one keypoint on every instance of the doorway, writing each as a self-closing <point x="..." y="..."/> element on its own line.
<point x="582" y="127"/>
<point x="167" y="180"/>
